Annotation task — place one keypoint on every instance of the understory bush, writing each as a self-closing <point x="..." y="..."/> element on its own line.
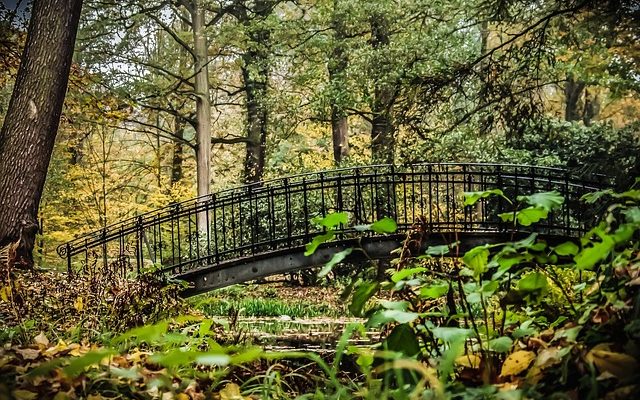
<point x="84" y="305"/>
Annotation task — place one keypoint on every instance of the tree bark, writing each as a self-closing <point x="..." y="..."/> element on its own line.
<point x="255" y="74"/>
<point x="591" y="107"/>
<point x="28" y="134"/>
<point x="572" y="93"/>
<point x="383" y="128"/>
<point x="203" y="107"/>
<point x="203" y="104"/>
<point x="178" y="152"/>
<point x="336" y="67"/>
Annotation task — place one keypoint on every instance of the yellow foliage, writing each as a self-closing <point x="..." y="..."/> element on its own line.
<point x="517" y="362"/>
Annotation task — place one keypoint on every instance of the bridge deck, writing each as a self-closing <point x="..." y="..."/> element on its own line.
<point x="260" y="229"/>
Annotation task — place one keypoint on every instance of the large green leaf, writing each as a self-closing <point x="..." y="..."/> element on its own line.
<point x="317" y="241"/>
<point x="402" y="339"/>
<point x="440" y="250"/>
<point x="209" y="358"/>
<point x="526" y="216"/>
<point x="337" y="258"/>
<point x="590" y="256"/>
<point x="382" y="317"/>
<point x="449" y="334"/>
<point x="470" y="198"/>
<point x="363" y="293"/>
<point x="331" y="221"/>
<point x="547" y="200"/>
<point x="477" y="259"/>
<point x="533" y="282"/>
<point x="406" y="273"/>
<point x="147" y="333"/>
<point x="434" y="291"/>
<point x="566" y="249"/>
<point x="501" y="345"/>
<point x="384" y="225"/>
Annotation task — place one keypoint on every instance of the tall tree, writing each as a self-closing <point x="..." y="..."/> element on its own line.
<point x="31" y="123"/>
<point x="337" y="66"/>
<point x="382" y="126"/>
<point x="255" y="75"/>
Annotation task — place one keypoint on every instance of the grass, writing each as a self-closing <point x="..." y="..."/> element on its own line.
<point x="264" y="301"/>
<point x="264" y="307"/>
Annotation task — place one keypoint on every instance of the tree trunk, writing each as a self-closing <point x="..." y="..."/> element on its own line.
<point x="383" y="128"/>
<point x="255" y="73"/>
<point x="31" y="123"/>
<point x="336" y="67"/>
<point x="178" y="152"/>
<point x="203" y="107"/>
<point x="591" y="108"/>
<point x="572" y="93"/>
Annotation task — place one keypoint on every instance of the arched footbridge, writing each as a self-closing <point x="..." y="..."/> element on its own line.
<point x="261" y="229"/>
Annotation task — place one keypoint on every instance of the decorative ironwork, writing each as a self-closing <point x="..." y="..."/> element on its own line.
<point x="274" y="215"/>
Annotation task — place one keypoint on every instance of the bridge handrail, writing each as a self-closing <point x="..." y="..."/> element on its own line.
<point x="132" y="224"/>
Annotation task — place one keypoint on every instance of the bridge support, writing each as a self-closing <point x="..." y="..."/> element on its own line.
<point x="237" y="271"/>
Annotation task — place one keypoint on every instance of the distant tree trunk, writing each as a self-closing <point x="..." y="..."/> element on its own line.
<point x="383" y="128"/>
<point x="255" y="73"/>
<point x="178" y="152"/>
<point x="203" y="105"/>
<point x="336" y="67"/>
<point x="591" y="108"/>
<point x="572" y="93"/>
<point x="31" y="123"/>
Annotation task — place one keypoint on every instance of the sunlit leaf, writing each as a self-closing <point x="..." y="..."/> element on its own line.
<point x="501" y="345"/>
<point x="470" y="198"/>
<point x="311" y="248"/>
<point x="566" y="249"/>
<point x="337" y="258"/>
<point x="477" y="259"/>
<point x="331" y="221"/>
<point x="526" y="216"/>
<point x="405" y="273"/>
<point x="535" y="281"/>
<point x="517" y="362"/>
<point x="546" y="200"/>
<point x="384" y="225"/>
<point x="434" y="291"/>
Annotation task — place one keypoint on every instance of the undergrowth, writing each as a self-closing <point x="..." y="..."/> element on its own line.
<point x="524" y="319"/>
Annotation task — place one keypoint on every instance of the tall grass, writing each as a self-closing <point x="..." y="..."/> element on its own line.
<point x="261" y="307"/>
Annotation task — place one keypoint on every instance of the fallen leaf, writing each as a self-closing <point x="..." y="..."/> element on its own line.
<point x="469" y="361"/>
<point x="41" y="340"/>
<point x="20" y="394"/>
<point x="79" y="304"/>
<point x="28" y="354"/>
<point x="622" y="366"/>
<point x="517" y="362"/>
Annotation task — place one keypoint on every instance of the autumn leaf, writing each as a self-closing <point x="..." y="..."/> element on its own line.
<point x="28" y="354"/>
<point x="517" y="362"/>
<point x="20" y="394"/>
<point x="231" y="392"/>
<point x="622" y="366"/>
<point x="41" y="340"/>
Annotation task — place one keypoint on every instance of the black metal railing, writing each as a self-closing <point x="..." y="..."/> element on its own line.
<point x="272" y="215"/>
